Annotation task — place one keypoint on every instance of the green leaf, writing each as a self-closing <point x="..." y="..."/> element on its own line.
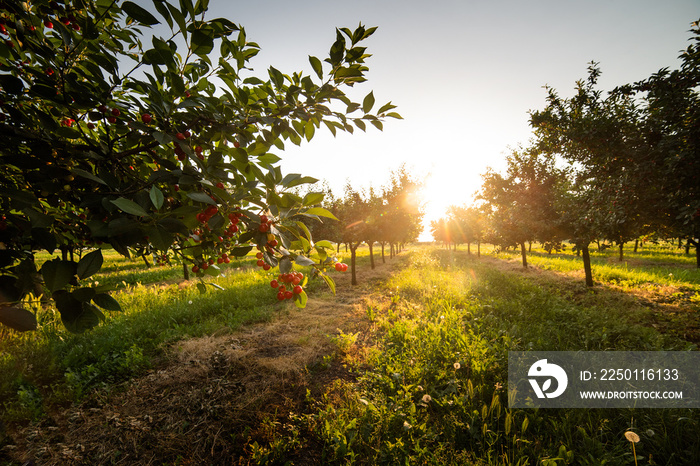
<point x="76" y="316"/>
<point x="313" y="198"/>
<point x="321" y="212"/>
<point x="394" y="115"/>
<point x="202" y="42"/>
<point x="107" y="302"/>
<point x="300" y="300"/>
<point x="385" y="108"/>
<point x="303" y="260"/>
<point x="241" y="251"/>
<point x="329" y="281"/>
<point x="157" y="197"/>
<point x="163" y="10"/>
<point x="18" y="319"/>
<point x="139" y="13"/>
<point x="58" y="273"/>
<point x="201" y="197"/>
<point x="88" y="175"/>
<point x="90" y="264"/>
<point x="84" y="294"/>
<point x="130" y="207"/>
<point x="11" y="84"/>
<point x="368" y="102"/>
<point x="317" y="66"/>
<point x="202" y="288"/>
<point x="309" y="130"/>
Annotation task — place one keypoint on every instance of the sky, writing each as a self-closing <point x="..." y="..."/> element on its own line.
<point x="463" y="74"/>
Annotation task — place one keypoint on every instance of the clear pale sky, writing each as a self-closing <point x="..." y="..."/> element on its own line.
<point x="464" y="75"/>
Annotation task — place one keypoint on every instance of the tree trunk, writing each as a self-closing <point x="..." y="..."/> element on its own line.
<point x="695" y="243"/>
<point x="587" y="265"/>
<point x="185" y="270"/>
<point x="371" y="253"/>
<point x="529" y="246"/>
<point x="598" y="243"/>
<point x="523" y="253"/>
<point x="145" y="261"/>
<point x="622" y="245"/>
<point x="469" y="248"/>
<point x="383" y="259"/>
<point x="353" y="250"/>
<point x="636" y="245"/>
<point x="478" y="249"/>
<point x="687" y="248"/>
<point x="680" y="243"/>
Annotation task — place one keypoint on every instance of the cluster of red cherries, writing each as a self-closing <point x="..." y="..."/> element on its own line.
<point x="288" y="285"/>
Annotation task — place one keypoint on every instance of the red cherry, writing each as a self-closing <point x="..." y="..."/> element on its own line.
<point x="211" y="261"/>
<point x="75" y="26"/>
<point x="112" y="119"/>
<point x="264" y="228"/>
<point x="296" y="280"/>
<point x="102" y="108"/>
<point x="220" y="260"/>
<point x="236" y="144"/>
<point x="345" y="267"/>
<point x="195" y="269"/>
<point x="177" y="187"/>
<point x="90" y="125"/>
<point x="288" y="295"/>
<point x="180" y="136"/>
<point x="266" y="266"/>
<point x="259" y="255"/>
<point x="338" y="266"/>
<point x="205" y="265"/>
<point x="272" y="243"/>
<point x="260" y="263"/>
<point x="116" y="112"/>
<point x="146" y="118"/>
<point x="187" y="94"/>
<point x="274" y="284"/>
<point x="220" y="185"/>
<point x="187" y="134"/>
<point x="280" y="296"/>
<point x="298" y="289"/>
<point x="48" y="24"/>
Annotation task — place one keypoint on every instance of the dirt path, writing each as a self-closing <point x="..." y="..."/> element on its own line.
<point x="212" y="398"/>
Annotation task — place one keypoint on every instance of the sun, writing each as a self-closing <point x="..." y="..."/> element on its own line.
<point x="441" y="190"/>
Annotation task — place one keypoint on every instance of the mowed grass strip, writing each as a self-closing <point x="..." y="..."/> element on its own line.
<point x="434" y="386"/>
<point x="51" y="366"/>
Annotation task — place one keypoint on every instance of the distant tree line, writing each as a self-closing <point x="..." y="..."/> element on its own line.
<point x="617" y="166"/>
<point x="390" y="218"/>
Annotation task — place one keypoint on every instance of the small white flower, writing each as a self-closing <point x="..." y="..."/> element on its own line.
<point x="406" y="425"/>
<point x="419" y="388"/>
<point x="456" y="366"/>
<point x="364" y="402"/>
<point x="426" y="398"/>
<point x="189" y="302"/>
<point x="650" y="432"/>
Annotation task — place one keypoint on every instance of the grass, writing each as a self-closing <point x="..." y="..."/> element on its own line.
<point x="434" y="392"/>
<point x="53" y="367"/>
<point x="430" y="387"/>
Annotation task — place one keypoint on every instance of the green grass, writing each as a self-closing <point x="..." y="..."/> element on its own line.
<point x="433" y="388"/>
<point x="654" y="264"/>
<point x="434" y="392"/>
<point x="52" y="366"/>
